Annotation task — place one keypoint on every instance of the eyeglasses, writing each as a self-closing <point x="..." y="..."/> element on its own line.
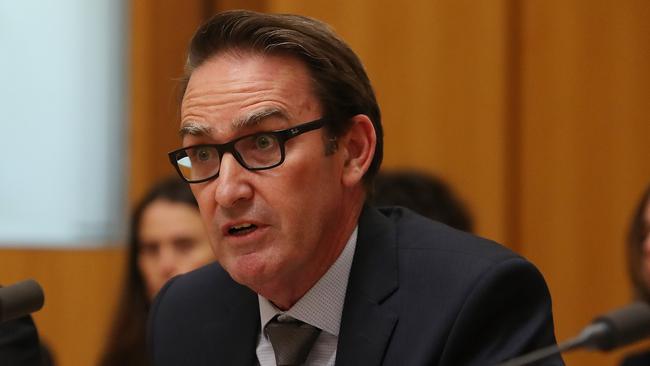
<point x="258" y="151"/>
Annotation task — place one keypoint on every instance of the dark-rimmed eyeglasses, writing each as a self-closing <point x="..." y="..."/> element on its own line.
<point x="257" y="151"/>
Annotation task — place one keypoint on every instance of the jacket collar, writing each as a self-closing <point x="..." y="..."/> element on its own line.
<point x="366" y="327"/>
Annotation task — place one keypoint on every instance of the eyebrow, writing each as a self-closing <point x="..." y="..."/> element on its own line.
<point x="193" y="128"/>
<point x="257" y="117"/>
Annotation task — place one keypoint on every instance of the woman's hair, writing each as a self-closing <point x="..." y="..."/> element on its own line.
<point x="423" y="193"/>
<point x="126" y="344"/>
<point x="635" y="252"/>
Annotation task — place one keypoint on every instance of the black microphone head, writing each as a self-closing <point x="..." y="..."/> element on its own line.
<point x="621" y="327"/>
<point x="20" y="299"/>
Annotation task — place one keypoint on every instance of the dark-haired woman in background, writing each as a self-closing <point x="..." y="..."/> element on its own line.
<point x="638" y="251"/>
<point x="425" y="194"/>
<point x="166" y="238"/>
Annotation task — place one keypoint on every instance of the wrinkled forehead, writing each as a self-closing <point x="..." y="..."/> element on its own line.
<point x="247" y="120"/>
<point x="244" y="89"/>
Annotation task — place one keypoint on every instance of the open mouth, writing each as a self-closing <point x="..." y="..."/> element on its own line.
<point x="242" y="229"/>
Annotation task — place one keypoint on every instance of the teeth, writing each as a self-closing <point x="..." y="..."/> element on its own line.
<point x="240" y="227"/>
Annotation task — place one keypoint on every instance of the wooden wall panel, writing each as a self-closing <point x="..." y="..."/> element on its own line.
<point x="161" y="33"/>
<point x="584" y="138"/>
<point x="536" y="113"/>
<point x="439" y="70"/>
<point x="161" y="30"/>
<point x="81" y="286"/>
<point x="223" y="5"/>
<point x="80" y="289"/>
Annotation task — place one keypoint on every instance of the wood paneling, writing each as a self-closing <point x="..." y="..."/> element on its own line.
<point x="535" y="112"/>
<point x="439" y="71"/>
<point x="80" y="289"/>
<point x="223" y="5"/>
<point x="161" y="30"/>
<point x="584" y="150"/>
<point x="81" y="286"/>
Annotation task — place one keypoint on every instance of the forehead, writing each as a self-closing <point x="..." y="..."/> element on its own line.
<point x="232" y="85"/>
<point x="169" y="216"/>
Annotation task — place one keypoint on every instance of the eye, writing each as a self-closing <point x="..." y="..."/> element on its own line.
<point x="201" y="154"/>
<point x="264" y="142"/>
<point x="184" y="244"/>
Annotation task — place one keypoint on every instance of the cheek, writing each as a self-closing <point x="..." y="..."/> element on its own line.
<point x="204" y="194"/>
<point x="143" y="267"/>
<point x="312" y="201"/>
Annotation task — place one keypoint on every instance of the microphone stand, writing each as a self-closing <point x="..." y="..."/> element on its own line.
<point x="584" y="339"/>
<point x="614" y="329"/>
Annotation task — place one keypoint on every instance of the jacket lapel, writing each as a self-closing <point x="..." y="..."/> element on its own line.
<point x="232" y="338"/>
<point x="366" y="326"/>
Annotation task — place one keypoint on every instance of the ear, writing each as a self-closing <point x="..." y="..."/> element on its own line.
<point x="358" y="148"/>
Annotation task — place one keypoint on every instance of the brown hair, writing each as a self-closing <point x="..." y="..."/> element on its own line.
<point x="423" y="193"/>
<point x="635" y="254"/>
<point x="126" y="345"/>
<point x="340" y="81"/>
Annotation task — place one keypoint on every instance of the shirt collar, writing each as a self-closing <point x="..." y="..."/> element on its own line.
<point x="322" y="305"/>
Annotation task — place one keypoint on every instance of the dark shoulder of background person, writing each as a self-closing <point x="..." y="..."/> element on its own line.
<point x="637" y="359"/>
<point x="20" y="345"/>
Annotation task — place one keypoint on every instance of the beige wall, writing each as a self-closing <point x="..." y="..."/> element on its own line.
<point x="535" y="111"/>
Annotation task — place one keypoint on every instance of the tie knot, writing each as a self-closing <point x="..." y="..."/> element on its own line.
<point x="291" y="339"/>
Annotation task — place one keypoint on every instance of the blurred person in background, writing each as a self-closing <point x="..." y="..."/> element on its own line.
<point x="166" y="238"/>
<point x="20" y="346"/>
<point x="638" y="256"/>
<point x="425" y="194"/>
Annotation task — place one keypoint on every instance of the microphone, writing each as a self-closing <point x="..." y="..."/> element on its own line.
<point x="614" y="329"/>
<point x="20" y="299"/>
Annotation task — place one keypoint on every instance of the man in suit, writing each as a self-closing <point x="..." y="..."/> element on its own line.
<point x="281" y="140"/>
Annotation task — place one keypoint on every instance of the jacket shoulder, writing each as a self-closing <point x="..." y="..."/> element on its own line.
<point x="418" y="233"/>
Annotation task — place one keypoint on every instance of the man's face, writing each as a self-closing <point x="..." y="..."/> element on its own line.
<point x="277" y="228"/>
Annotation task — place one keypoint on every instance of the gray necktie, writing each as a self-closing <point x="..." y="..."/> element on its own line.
<point x="291" y="339"/>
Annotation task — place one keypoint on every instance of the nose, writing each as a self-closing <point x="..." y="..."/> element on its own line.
<point x="232" y="186"/>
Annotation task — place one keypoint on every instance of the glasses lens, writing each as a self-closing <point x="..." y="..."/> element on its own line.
<point x="259" y="151"/>
<point x="199" y="162"/>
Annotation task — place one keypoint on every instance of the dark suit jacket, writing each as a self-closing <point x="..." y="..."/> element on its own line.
<point x="637" y="359"/>
<point x="419" y="293"/>
<point x="19" y="345"/>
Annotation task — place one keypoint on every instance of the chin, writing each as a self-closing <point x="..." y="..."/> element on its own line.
<point x="248" y="270"/>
